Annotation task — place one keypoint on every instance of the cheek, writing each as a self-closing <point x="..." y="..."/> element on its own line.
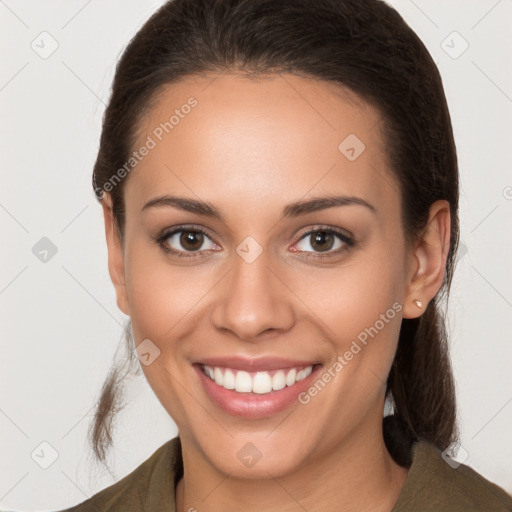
<point x="353" y="296"/>
<point x="359" y="308"/>
<point x="162" y="300"/>
<point x="160" y="295"/>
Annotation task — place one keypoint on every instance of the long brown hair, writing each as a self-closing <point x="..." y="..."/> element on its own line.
<point x="365" y="46"/>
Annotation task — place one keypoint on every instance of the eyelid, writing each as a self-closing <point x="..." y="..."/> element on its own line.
<point x="167" y="232"/>
<point x="324" y="227"/>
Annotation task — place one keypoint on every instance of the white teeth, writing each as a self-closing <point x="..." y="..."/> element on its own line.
<point x="217" y="375"/>
<point x="229" y="380"/>
<point x="260" y="382"/>
<point x="243" y="382"/>
<point x="302" y="374"/>
<point x="278" y="380"/>
<point x="290" y="377"/>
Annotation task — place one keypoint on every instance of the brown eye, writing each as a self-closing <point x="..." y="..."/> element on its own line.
<point x="322" y="241"/>
<point x="186" y="241"/>
<point x="191" y="240"/>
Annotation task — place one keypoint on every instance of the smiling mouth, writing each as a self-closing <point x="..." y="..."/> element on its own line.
<point x="261" y="382"/>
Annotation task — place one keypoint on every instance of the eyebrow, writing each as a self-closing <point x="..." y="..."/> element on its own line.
<point x="291" y="210"/>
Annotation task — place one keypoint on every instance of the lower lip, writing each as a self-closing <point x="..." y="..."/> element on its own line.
<point x="253" y="405"/>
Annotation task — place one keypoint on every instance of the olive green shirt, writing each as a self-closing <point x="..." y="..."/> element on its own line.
<point x="432" y="485"/>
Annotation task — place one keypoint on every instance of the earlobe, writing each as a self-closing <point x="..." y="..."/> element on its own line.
<point x="428" y="261"/>
<point x="115" y="254"/>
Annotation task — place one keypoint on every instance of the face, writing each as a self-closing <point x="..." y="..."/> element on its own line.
<point x="264" y="251"/>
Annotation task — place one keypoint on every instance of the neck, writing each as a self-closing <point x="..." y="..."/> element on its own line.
<point x="358" y="475"/>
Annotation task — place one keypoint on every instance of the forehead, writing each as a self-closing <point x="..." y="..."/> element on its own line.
<point x="258" y="138"/>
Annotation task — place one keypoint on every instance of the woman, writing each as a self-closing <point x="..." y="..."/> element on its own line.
<point x="279" y="185"/>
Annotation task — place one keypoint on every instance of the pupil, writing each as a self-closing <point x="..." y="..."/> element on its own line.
<point x="321" y="239"/>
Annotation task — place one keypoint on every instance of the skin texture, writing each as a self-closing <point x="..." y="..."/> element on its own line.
<point x="250" y="147"/>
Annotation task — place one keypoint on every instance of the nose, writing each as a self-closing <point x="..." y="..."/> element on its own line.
<point x="252" y="301"/>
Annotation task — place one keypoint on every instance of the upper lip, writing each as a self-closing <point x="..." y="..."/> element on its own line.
<point x="251" y="364"/>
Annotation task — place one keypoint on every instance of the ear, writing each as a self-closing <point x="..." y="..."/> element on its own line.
<point x="428" y="261"/>
<point x="115" y="254"/>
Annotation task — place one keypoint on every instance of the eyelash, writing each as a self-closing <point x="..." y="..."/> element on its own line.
<point x="347" y="240"/>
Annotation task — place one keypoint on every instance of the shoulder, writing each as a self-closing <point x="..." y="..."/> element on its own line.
<point x="149" y="485"/>
<point x="433" y="484"/>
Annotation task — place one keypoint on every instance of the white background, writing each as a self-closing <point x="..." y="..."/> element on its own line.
<point x="60" y="324"/>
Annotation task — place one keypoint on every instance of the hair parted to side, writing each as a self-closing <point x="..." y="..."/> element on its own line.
<point x="364" y="46"/>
